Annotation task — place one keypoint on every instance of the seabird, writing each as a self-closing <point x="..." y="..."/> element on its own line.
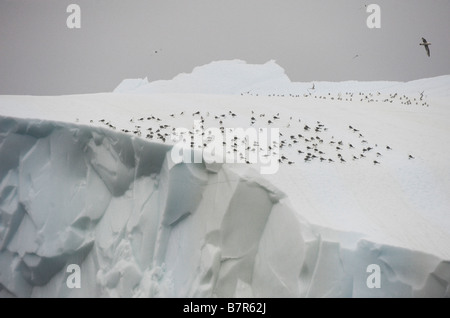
<point x="426" y="44"/>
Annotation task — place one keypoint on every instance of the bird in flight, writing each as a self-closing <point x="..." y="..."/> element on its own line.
<point x="426" y="44"/>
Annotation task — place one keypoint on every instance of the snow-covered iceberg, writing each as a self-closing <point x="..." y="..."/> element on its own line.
<point x="236" y="77"/>
<point x="81" y="183"/>
<point x="140" y="226"/>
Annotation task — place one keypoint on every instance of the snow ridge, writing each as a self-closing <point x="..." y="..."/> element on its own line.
<point x="237" y="77"/>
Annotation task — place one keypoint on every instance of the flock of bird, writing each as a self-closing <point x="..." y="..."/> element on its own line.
<point x="351" y="96"/>
<point x="299" y="141"/>
<point x="307" y="142"/>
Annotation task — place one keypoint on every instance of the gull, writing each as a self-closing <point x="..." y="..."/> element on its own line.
<point x="426" y="44"/>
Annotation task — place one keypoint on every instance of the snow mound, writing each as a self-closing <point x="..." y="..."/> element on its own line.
<point x="221" y="77"/>
<point x="140" y="226"/>
<point x="234" y="77"/>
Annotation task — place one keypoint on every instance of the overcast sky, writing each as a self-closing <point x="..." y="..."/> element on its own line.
<point x="311" y="40"/>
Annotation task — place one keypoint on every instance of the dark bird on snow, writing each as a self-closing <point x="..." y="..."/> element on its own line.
<point x="426" y="44"/>
<point x="410" y="157"/>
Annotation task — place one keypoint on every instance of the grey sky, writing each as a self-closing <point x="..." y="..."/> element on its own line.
<point x="311" y="40"/>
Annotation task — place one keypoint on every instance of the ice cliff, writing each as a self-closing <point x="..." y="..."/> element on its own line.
<point x="140" y="226"/>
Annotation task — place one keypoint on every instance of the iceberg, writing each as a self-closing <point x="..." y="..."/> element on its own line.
<point x="81" y="183"/>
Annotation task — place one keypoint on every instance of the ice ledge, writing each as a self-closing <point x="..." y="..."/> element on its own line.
<point x="140" y="226"/>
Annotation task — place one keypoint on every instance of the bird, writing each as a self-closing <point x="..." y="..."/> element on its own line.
<point x="426" y="44"/>
<point x="410" y="157"/>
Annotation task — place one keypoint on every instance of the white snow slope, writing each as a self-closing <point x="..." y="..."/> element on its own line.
<point x="86" y="180"/>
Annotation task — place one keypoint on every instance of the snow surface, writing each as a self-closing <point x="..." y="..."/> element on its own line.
<point x="75" y="188"/>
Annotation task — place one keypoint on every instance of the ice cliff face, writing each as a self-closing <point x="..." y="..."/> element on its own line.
<point x="138" y="225"/>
